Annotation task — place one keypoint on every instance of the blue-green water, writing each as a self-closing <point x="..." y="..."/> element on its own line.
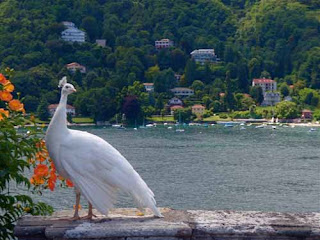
<point x="218" y="167"/>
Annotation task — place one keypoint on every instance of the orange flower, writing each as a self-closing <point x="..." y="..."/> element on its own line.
<point x="36" y="180"/>
<point x="3" y="79"/>
<point x="40" y="157"/>
<point x="69" y="183"/>
<point x="16" y="105"/>
<point x="9" y="87"/>
<point x="53" y="176"/>
<point x="51" y="185"/>
<point x="53" y="167"/>
<point x="5" y="96"/>
<point x="3" y="112"/>
<point x="41" y="170"/>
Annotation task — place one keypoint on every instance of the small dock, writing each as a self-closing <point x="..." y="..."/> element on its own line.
<point x="125" y="224"/>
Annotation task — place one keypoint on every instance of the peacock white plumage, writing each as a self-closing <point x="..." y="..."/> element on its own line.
<point x="96" y="168"/>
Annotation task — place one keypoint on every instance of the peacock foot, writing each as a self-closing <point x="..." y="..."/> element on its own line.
<point x="88" y="217"/>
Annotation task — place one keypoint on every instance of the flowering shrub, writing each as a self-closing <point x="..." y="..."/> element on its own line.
<point x="21" y="148"/>
<point x="44" y="173"/>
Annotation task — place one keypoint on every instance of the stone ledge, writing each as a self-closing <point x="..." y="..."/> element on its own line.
<point x="124" y="224"/>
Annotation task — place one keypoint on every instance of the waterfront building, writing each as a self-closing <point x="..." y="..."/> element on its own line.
<point x="163" y="43"/>
<point x="204" y="55"/>
<point x="149" y="87"/>
<point x="72" y="33"/>
<point x="306" y="114"/>
<point x="198" y="109"/>
<point x="73" y="67"/>
<point x="53" y="107"/>
<point x="182" y="92"/>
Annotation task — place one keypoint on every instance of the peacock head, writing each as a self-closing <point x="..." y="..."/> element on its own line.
<point x="67" y="88"/>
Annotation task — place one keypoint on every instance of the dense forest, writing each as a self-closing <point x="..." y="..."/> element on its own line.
<point x="278" y="39"/>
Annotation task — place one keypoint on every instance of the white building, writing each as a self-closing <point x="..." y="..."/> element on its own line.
<point x="72" y="34"/>
<point x="149" y="87"/>
<point x="53" y="107"/>
<point x="163" y="43"/>
<point x="73" y="67"/>
<point x="267" y="85"/>
<point x="181" y="91"/>
<point x="270" y="99"/>
<point x="204" y="55"/>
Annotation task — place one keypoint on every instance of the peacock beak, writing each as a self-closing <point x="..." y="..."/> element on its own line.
<point x="74" y="90"/>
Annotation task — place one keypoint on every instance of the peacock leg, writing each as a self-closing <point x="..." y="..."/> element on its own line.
<point x="76" y="210"/>
<point x="90" y="213"/>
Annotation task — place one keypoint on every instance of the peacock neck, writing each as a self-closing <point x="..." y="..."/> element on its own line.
<point x="59" y="119"/>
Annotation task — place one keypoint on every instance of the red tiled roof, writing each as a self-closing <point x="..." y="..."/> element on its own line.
<point x="148" y="84"/>
<point x="306" y="111"/>
<point x="263" y="80"/>
<point x="197" y="106"/>
<point x="175" y="107"/>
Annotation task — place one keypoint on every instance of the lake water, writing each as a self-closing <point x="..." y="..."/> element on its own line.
<point x="218" y="167"/>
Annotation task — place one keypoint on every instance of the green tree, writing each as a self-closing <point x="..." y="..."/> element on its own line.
<point x="286" y="110"/>
<point x="257" y="94"/>
<point x="42" y="110"/>
<point x="184" y="115"/>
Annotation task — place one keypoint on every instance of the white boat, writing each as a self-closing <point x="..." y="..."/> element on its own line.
<point x="261" y="126"/>
<point x="242" y="128"/>
<point x="116" y="125"/>
<point x="169" y="127"/>
<point x="179" y="130"/>
<point x="228" y="125"/>
<point x="149" y="125"/>
<point x="274" y="127"/>
<point x="312" y="130"/>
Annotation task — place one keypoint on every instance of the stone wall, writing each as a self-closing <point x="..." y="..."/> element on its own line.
<point x="125" y="224"/>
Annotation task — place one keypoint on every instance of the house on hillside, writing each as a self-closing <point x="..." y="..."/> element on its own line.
<point x="53" y="107"/>
<point x="182" y="92"/>
<point x="271" y="99"/>
<point x="269" y="88"/>
<point x="267" y="85"/>
<point x="198" y="109"/>
<point x="73" y="67"/>
<point x="175" y="101"/>
<point x="204" y="55"/>
<point x="163" y="43"/>
<point x="101" y="42"/>
<point x="149" y="87"/>
<point x="72" y="33"/>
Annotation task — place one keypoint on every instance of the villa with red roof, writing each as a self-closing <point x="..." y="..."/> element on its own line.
<point x="267" y="85"/>
<point x="73" y="67"/>
<point x="269" y="88"/>
<point x="198" y="109"/>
